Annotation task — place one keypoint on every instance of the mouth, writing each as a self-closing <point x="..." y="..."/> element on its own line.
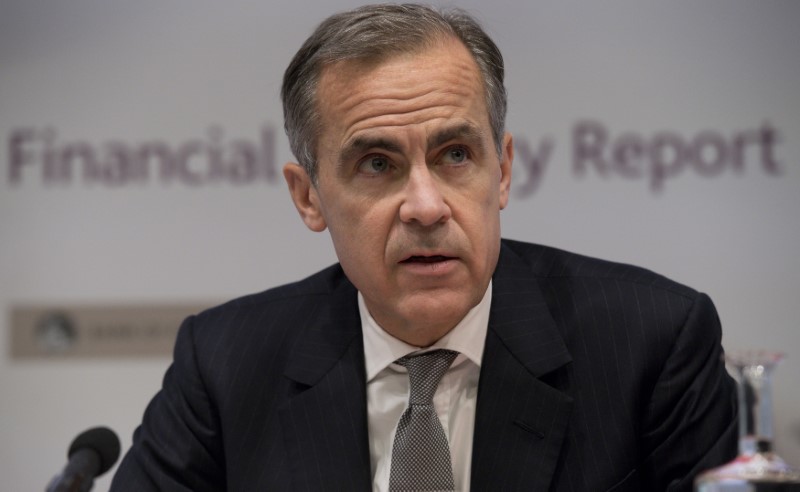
<point x="430" y="266"/>
<point x="427" y="259"/>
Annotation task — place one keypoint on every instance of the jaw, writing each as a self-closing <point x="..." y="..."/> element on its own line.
<point x="424" y="315"/>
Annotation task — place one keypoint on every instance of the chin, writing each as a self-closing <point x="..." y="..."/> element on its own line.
<point x="439" y="310"/>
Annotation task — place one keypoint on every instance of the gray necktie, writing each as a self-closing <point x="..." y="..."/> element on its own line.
<point x="421" y="455"/>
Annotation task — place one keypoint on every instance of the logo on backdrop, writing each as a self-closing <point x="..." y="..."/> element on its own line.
<point x="39" y="155"/>
<point x="55" y="332"/>
<point x="81" y="331"/>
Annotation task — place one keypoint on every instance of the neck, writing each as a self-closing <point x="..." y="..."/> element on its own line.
<point x="419" y="336"/>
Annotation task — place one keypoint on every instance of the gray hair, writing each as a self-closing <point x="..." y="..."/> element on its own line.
<point x="373" y="33"/>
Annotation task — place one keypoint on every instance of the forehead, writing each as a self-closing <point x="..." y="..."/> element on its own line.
<point x="429" y="84"/>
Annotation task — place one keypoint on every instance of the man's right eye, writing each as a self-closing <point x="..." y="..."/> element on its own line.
<point x="374" y="165"/>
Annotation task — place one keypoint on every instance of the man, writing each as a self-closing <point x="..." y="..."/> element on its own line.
<point x="563" y="372"/>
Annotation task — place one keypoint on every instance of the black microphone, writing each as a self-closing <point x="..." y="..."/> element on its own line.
<point x="90" y="455"/>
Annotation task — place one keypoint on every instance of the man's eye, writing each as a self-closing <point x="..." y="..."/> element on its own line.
<point x="455" y="155"/>
<point x="376" y="164"/>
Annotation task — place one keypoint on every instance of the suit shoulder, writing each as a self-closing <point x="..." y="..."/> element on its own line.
<point x="284" y="297"/>
<point x="549" y="263"/>
<point x="257" y="329"/>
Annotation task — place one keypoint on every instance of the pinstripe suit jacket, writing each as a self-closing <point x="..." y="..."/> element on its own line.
<point x="596" y="376"/>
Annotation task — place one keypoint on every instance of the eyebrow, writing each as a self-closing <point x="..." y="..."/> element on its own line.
<point x="461" y="131"/>
<point x="360" y="145"/>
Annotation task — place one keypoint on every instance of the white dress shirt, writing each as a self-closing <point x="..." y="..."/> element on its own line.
<point x="455" y="399"/>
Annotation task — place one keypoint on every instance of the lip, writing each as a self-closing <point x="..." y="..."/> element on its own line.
<point x="429" y="264"/>
<point x="421" y="253"/>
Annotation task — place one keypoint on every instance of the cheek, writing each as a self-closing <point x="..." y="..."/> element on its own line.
<point x="477" y="205"/>
<point x="478" y="215"/>
<point x="360" y="233"/>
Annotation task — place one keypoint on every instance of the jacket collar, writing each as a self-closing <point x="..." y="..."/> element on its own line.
<point x="521" y="318"/>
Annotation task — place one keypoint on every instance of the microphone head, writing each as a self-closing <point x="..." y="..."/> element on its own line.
<point x="103" y="441"/>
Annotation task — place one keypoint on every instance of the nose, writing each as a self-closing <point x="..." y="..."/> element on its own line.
<point x="423" y="201"/>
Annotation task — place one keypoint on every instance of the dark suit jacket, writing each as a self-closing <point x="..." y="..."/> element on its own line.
<point x="595" y="376"/>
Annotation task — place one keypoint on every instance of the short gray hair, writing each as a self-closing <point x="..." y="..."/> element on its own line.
<point x="373" y="33"/>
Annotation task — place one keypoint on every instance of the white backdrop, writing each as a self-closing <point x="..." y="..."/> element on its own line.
<point x="704" y="93"/>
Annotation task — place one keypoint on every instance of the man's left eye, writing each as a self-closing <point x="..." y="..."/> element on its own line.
<point x="374" y="165"/>
<point x="456" y="155"/>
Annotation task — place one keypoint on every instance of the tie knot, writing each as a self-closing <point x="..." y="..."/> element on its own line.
<point x="425" y="371"/>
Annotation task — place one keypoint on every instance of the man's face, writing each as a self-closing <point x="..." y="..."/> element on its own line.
<point x="410" y="186"/>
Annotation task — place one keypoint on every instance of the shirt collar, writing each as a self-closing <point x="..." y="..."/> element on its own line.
<point x="468" y="337"/>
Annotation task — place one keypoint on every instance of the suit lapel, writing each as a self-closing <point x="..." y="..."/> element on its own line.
<point x="520" y="420"/>
<point x="325" y="422"/>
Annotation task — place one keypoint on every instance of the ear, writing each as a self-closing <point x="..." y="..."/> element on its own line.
<point x="505" y="169"/>
<point x="305" y="196"/>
